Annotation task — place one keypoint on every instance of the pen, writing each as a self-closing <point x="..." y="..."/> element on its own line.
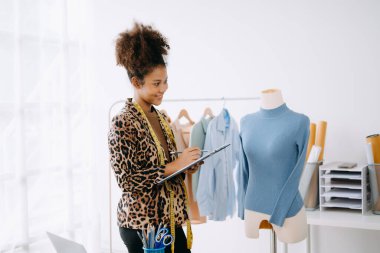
<point x="145" y="236"/>
<point x="142" y="239"/>
<point x="153" y="237"/>
<point x="180" y="152"/>
<point x="159" y="227"/>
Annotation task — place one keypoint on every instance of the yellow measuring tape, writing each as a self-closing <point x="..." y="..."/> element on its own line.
<point x="167" y="185"/>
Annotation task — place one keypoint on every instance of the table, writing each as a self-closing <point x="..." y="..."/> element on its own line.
<point x="342" y="219"/>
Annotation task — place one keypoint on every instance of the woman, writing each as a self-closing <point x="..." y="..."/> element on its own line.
<point x="142" y="147"/>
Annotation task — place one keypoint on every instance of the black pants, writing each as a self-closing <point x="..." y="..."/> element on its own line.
<point x="134" y="244"/>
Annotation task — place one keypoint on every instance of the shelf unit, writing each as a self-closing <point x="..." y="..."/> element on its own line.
<point x="344" y="188"/>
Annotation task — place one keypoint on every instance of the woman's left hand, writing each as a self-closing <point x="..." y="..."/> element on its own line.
<point x="194" y="169"/>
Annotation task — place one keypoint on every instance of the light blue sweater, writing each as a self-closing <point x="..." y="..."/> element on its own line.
<point x="274" y="146"/>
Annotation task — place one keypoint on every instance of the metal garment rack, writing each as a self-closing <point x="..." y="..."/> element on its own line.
<point x="191" y="100"/>
<point x="273" y="239"/>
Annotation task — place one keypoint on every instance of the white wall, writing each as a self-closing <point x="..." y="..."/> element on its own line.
<point x="323" y="55"/>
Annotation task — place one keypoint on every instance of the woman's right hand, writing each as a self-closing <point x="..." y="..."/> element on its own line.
<point x="188" y="156"/>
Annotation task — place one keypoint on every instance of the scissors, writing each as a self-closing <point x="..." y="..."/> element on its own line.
<point x="163" y="238"/>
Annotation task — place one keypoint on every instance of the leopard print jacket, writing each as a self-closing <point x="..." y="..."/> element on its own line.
<point x="135" y="162"/>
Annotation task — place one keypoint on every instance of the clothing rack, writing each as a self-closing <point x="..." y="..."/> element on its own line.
<point x="191" y="100"/>
<point x="273" y="240"/>
<point x="211" y="99"/>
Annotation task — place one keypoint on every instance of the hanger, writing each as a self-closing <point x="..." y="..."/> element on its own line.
<point x="184" y="113"/>
<point x="224" y="102"/>
<point x="208" y="112"/>
<point x="225" y="112"/>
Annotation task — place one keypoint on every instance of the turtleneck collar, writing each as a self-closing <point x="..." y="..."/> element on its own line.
<point x="273" y="113"/>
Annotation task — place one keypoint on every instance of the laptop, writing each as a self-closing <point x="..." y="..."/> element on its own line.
<point x="63" y="245"/>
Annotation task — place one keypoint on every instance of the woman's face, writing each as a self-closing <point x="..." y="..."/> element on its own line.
<point x="154" y="87"/>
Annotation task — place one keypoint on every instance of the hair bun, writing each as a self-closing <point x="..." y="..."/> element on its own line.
<point x="141" y="49"/>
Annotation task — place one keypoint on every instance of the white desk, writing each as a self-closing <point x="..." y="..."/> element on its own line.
<point x="342" y="219"/>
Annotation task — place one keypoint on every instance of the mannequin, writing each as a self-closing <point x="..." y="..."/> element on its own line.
<point x="287" y="217"/>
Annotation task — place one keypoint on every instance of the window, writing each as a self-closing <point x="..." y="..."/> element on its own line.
<point x="44" y="129"/>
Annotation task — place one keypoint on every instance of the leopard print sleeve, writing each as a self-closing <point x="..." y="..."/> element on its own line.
<point x="134" y="169"/>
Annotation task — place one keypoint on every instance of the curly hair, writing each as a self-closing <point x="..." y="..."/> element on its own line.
<point x="140" y="50"/>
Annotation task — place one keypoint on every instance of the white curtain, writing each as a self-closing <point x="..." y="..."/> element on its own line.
<point x="46" y="179"/>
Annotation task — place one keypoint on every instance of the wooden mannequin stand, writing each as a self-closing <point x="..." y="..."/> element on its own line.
<point x="273" y="240"/>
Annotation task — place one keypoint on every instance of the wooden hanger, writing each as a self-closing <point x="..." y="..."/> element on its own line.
<point x="184" y="113"/>
<point x="208" y="112"/>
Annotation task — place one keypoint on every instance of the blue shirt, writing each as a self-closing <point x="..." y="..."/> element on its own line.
<point x="197" y="139"/>
<point x="216" y="193"/>
<point x="274" y="144"/>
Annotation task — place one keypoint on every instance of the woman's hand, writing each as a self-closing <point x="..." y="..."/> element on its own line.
<point x="194" y="169"/>
<point x="188" y="156"/>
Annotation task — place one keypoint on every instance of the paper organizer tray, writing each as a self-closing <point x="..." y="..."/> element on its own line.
<point x="344" y="188"/>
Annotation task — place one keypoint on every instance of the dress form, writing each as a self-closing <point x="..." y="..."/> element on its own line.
<point x="294" y="228"/>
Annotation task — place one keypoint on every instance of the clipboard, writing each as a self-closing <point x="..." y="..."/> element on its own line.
<point x="193" y="163"/>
